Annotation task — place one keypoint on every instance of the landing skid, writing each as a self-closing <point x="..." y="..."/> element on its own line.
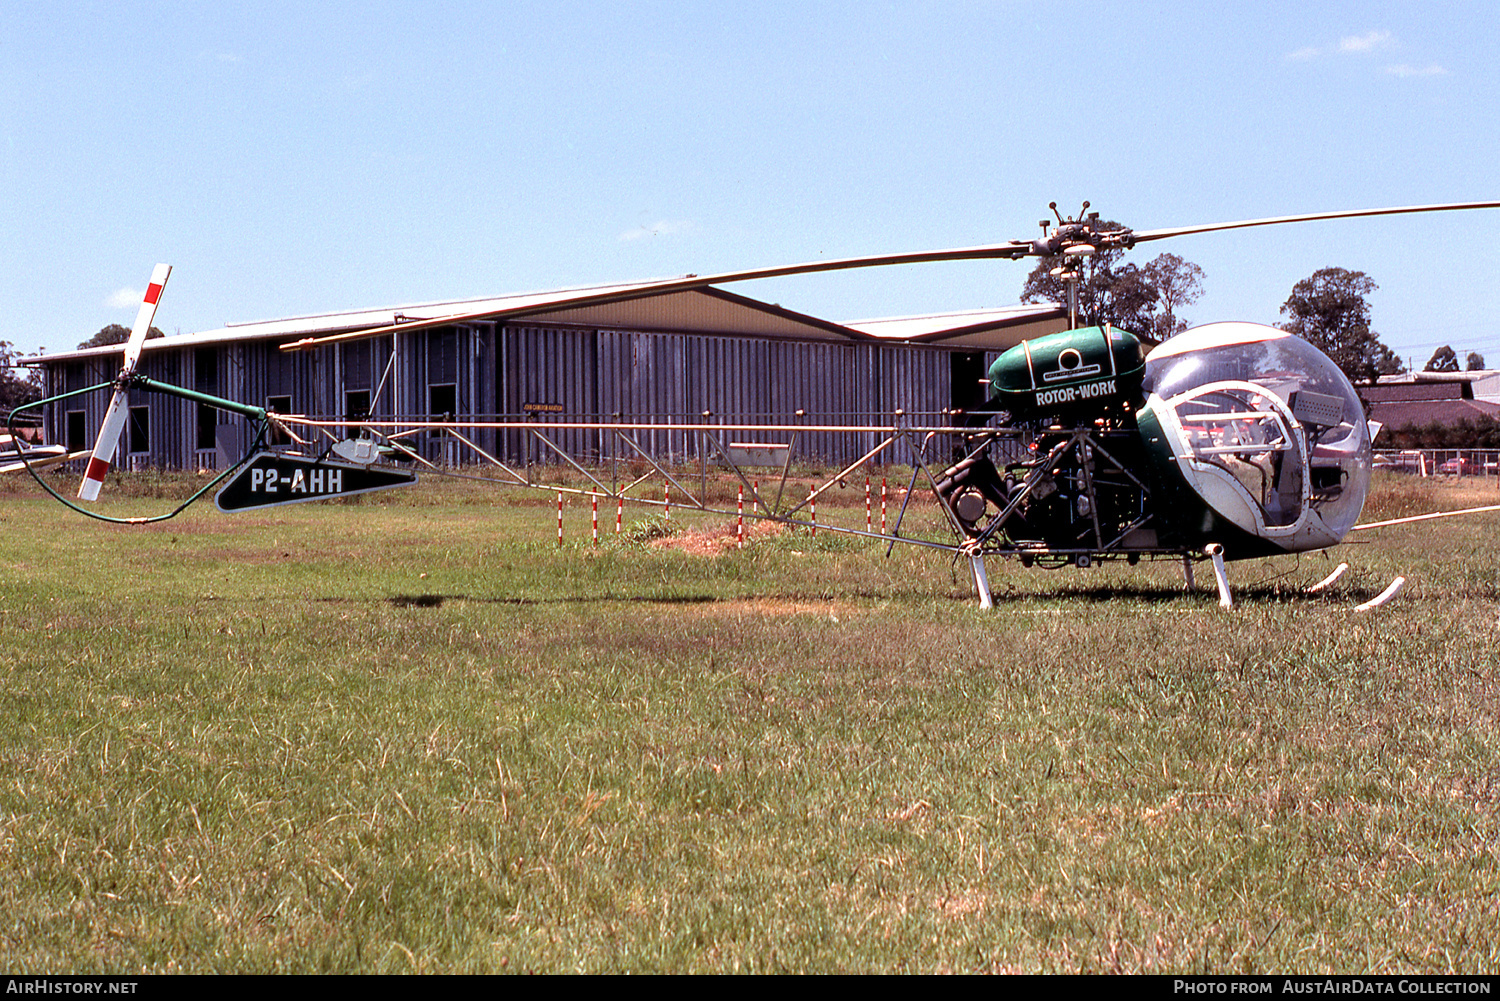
<point x="1215" y="554"/>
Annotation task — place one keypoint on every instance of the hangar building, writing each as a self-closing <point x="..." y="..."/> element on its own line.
<point x="660" y="356"/>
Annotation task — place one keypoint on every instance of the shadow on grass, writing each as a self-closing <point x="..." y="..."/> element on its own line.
<point x="1261" y="594"/>
<point x="436" y="600"/>
<point x="1269" y="593"/>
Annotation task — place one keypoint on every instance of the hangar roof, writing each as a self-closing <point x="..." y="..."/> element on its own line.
<point x="1416" y="399"/>
<point x="989" y="328"/>
<point x="1418" y="413"/>
<point x="697" y="310"/>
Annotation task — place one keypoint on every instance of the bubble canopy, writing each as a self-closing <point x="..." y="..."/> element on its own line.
<point x="1265" y="428"/>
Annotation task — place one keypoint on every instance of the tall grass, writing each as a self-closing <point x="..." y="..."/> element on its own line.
<point x="414" y="734"/>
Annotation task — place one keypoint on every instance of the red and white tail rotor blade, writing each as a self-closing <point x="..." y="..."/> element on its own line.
<point x="119" y="404"/>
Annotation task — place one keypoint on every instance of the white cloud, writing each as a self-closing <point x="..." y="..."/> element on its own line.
<point x="124" y="298"/>
<point x="1358" y="45"/>
<point x="1367" y="42"/>
<point x="663" y="228"/>
<point x="1403" y="70"/>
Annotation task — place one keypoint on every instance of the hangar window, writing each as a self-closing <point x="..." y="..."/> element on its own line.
<point x="208" y="420"/>
<point x="356" y="408"/>
<point x="77" y="431"/>
<point x="442" y="403"/>
<point x="140" y="430"/>
<point x="966" y="381"/>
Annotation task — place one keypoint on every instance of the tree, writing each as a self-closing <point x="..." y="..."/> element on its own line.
<point x="1141" y="300"/>
<point x="115" y="334"/>
<point x="16" y="389"/>
<point x="1178" y="283"/>
<point x="1329" y="311"/>
<point x="1475" y="362"/>
<point x="1443" y="360"/>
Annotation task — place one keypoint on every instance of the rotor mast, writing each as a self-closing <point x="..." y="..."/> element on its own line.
<point x="1073" y="239"/>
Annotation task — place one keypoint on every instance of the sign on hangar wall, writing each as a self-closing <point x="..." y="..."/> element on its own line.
<point x="271" y="479"/>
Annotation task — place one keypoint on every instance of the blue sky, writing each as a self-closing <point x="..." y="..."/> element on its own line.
<point x="293" y="158"/>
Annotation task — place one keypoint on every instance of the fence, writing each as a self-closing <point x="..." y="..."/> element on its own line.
<point x="1440" y="461"/>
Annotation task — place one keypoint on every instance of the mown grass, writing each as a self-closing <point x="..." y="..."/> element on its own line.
<point x="414" y="734"/>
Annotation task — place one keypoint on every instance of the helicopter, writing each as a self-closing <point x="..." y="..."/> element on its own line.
<point x="1229" y="441"/>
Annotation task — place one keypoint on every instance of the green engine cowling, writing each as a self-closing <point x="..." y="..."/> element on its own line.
<point x="1072" y="375"/>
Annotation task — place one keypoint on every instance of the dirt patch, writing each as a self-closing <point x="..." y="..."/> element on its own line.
<point x="771" y="607"/>
<point x="715" y="541"/>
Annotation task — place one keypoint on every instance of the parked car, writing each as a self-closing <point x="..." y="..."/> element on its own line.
<point x="1403" y="462"/>
<point x="1458" y="466"/>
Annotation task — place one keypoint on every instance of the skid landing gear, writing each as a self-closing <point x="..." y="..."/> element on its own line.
<point x="981" y="580"/>
<point x="1215" y="553"/>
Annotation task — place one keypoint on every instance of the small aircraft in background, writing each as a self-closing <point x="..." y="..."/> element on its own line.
<point x="16" y="454"/>
<point x="1229" y="441"/>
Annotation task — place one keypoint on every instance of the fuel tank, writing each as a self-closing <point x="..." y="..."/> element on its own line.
<point x="1070" y="376"/>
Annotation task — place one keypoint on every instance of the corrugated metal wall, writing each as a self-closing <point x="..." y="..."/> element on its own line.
<point x="549" y="373"/>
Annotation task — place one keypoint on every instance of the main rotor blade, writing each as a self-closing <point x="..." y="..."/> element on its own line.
<point x="1011" y="250"/>
<point x="1142" y="236"/>
<point x="114" y="417"/>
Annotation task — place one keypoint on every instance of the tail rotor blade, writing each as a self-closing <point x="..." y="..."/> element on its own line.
<point x="145" y="315"/>
<point x="114" y="417"/>
<point x="104" y="447"/>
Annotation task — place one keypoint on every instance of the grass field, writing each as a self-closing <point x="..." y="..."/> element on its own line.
<point x="414" y="734"/>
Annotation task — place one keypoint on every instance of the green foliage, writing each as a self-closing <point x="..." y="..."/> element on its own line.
<point x="651" y="528"/>
<point x="115" y="334"/>
<point x="1330" y="312"/>
<point x="1177" y="283"/>
<point x="1479" y="432"/>
<point x="1443" y="360"/>
<point x="17" y="386"/>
